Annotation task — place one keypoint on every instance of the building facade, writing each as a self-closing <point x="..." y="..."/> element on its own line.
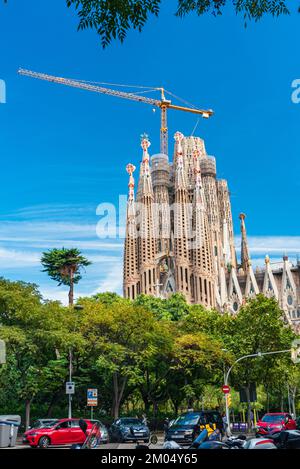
<point x="180" y="238"/>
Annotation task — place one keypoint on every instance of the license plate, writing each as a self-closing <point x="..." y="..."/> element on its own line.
<point x="139" y="433"/>
<point x="178" y="436"/>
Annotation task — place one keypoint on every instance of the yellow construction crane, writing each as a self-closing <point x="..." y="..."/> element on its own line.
<point x="162" y="103"/>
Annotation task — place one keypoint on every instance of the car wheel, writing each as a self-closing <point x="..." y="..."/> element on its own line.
<point x="44" y="442"/>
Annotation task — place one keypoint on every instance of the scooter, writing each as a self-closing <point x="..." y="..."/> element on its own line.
<point x="286" y="439"/>
<point x="203" y="441"/>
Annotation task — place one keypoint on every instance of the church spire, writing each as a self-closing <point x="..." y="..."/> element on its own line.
<point x="203" y="281"/>
<point x="180" y="179"/>
<point x="131" y="274"/>
<point x="181" y="223"/>
<point x="245" y="256"/>
<point x="147" y="225"/>
<point x="146" y="182"/>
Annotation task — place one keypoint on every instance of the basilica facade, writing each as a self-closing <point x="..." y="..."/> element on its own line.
<point x="179" y="237"/>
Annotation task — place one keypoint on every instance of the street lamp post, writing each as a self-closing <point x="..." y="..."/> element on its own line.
<point x="76" y="308"/>
<point x="70" y="380"/>
<point x="259" y="354"/>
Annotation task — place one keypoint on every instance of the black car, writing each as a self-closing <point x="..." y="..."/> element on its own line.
<point x="188" y="426"/>
<point x="129" y="429"/>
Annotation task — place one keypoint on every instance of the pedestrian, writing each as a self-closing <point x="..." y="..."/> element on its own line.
<point x="166" y="424"/>
<point x="252" y="419"/>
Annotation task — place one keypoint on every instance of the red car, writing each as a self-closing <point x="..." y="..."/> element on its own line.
<point x="273" y="423"/>
<point x="61" y="432"/>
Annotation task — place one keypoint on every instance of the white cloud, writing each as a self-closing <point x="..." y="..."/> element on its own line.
<point x="11" y="258"/>
<point x="112" y="281"/>
<point x="269" y="244"/>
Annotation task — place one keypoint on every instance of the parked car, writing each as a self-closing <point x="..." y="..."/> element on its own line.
<point x="129" y="429"/>
<point x="39" y="423"/>
<point x="188" y="426"/>
<point x="61" y="432"/>
<point x="274" y="423"/>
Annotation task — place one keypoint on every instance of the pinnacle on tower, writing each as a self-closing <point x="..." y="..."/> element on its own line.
<point x="181" y="223"/>
<point x="147" y="225"/>
<point x="131" y="274"/>
<point x="245" y="256"/>
<point x="202" y="279"/>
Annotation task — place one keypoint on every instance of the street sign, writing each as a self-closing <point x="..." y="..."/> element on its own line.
<point x="92" y="397"/>
<point x="226" y="389"/>
<point x="70" y="387"/>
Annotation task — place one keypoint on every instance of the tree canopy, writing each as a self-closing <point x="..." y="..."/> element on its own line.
<point x="148" y="355"/>
<point x="112" y="19"/>
<point x="65" y="267"/>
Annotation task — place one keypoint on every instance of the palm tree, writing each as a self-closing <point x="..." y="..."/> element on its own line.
<point x="64" y="266"/>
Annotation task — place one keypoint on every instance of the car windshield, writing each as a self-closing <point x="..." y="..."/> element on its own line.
<point x="273" y="418"/>
<point x="44" y="424"/>
<point x="188" y="419"/>
<point x="131" y="422"/>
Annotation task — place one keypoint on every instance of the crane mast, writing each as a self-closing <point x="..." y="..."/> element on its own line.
<point x="162" y="103"/>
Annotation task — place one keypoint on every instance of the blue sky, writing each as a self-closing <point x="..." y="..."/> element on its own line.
<point x="63" y="151"/>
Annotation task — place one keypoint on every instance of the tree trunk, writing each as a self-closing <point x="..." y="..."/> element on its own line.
<point x="71" y="290"/>
<point x="294" y="391"/>
<point x="247" y="389"/>
<point x="52" y="402"/>
<point x="27" y="414"/>
<point x="118" y="391"/>
<point x="146" y="404"/>
<point x="281" y="403"/>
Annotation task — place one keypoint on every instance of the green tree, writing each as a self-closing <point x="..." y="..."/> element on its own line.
<point x="33" y="332"/>
<point x="173" y="308"/>
<point x="259" y="326"/>
<point x="112" y="19"/>
<point x="65" y="266"/>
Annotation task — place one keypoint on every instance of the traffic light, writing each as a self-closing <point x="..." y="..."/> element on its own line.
<point x="228" y="399"/>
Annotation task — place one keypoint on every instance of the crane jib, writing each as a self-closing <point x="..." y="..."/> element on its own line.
<point x="86" y="86"/>
<point x="163" y="104"/>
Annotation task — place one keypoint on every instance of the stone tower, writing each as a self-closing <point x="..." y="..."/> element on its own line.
<point x="180" y="238"/>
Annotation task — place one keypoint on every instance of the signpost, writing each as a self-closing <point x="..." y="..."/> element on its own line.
<point x="92" y="399"/>
<point x="70" y="390"/>
<point x="70" y="387"/>
<point x="2" y="352"/>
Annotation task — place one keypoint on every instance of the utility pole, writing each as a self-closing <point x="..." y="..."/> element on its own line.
<point x="70" y="380"/>
<point x="259" y="354"/>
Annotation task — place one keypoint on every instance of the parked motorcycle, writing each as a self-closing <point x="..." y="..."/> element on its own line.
<point x="203" y="441"/>
<point x="286" y="439"/>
